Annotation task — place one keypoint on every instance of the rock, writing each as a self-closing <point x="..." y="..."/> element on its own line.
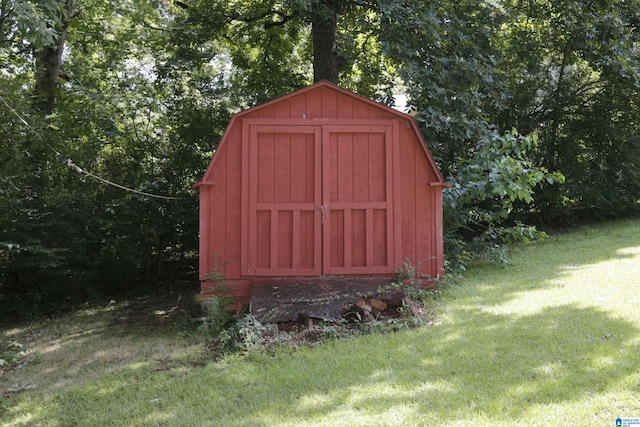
<point x="19" y="388"/>
<point x="376" y="304"/>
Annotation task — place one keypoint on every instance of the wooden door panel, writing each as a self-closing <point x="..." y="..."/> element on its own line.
<point x="284" y="193"/>
<point x="381" y="243"/>
<point x="358" y="232"/>
<point x="319" y="200"/>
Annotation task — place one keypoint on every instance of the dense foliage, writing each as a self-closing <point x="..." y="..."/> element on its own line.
<point x="511" y="96"/>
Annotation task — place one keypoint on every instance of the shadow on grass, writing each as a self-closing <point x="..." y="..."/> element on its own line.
<point x="598" y="250"/>
<point x="484" y="365"/>
<point x="492" y="366"/>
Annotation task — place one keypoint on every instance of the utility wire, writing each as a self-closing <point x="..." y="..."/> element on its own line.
<point x="70" y="163"/>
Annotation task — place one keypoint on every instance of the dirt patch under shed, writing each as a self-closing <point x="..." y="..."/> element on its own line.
<point x="327" y="299"/>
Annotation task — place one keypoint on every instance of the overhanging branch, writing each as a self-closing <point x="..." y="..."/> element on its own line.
<point x="284" y="19"/>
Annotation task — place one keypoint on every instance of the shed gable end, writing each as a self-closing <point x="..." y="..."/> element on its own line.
<point x="322" y="101"/>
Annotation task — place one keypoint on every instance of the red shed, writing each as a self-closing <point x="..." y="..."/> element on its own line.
<point x="318" y="183"/>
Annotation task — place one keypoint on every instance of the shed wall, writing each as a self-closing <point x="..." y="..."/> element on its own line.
<point x="419" y="202"/>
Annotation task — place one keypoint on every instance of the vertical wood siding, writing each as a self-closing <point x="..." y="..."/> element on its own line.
<point x="262" y="195"/>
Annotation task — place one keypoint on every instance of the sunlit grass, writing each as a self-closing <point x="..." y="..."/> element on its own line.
<point x="553" y="339"/>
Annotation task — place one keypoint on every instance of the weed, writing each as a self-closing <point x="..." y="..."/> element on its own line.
<point x="220" y="324"/>
<point x="227" y="331"/>
<point x="417" y="288"/>
<point x="223" y="326"/>
<point x="251" y="333"/>
<point x="10" y="354"/>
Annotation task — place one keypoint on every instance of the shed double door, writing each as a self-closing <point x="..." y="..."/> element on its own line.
<point x="319" y="199"/>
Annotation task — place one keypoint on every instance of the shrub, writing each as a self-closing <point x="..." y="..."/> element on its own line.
<point x="479" y="207"/>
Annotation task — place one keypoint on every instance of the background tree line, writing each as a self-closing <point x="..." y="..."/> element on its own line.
<point x="529" y="107"/>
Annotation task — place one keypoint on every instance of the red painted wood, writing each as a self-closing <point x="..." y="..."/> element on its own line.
<point x="295" y="240"/>
<point x="203" y="243"/>
<point x="298" y="109"/>
<point x="360" y="110"/>
<point x="314" y="106"/>
<point x="342" y="145"/>
<point x="369" y="238"/>
<point x="282" y="109"/>
<point x="231" y="204"/>
<point x="395" y="223"/>
<point x="344" y="169"/>
<point x="377" y="179"/>
<point x="245" y="261"/>
<point x="254" y="222"/>
<point x="318" y="219"/>
<point x="274" y="240"/>
<point x="344" y="106"/>
<point x="408" y="155"/>
<point x="424" y="225"/>
<point x="333" y="239"/>
<point x="329" y="102"/>
<point x="382" y="242"/>
<point x="216" y="210"/>
<point x="282" y="186"/>
<point x="278" y="164"/>
<point x="358" y="256"/>
<point x="439" y="246"/>
<point x="329" y="186"/>
<point x="361" y="168"/>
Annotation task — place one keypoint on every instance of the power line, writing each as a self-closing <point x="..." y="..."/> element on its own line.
<point x="71" y="164"/>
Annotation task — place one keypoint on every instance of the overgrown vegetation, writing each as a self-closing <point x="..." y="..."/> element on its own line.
<point x="227" y="329"/>
<point x="487" y="189"/>
<point x="10" y="354"/>
<point x="225" y="326"/>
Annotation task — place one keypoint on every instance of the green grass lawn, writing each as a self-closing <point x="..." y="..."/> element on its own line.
<point x="553" y="339"/>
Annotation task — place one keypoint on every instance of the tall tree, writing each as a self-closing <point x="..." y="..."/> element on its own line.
<point x="276" y="46"/>
<point x="324" y="30"/>
<point x="49" y="56"/>
<point x="446" y="55"/>
<point x="65" y="238"/>
<point x="574" y="72"/>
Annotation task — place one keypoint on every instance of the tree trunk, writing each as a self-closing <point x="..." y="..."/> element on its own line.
<point x="324" y="32"/>
<point x="48" y="65"/>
